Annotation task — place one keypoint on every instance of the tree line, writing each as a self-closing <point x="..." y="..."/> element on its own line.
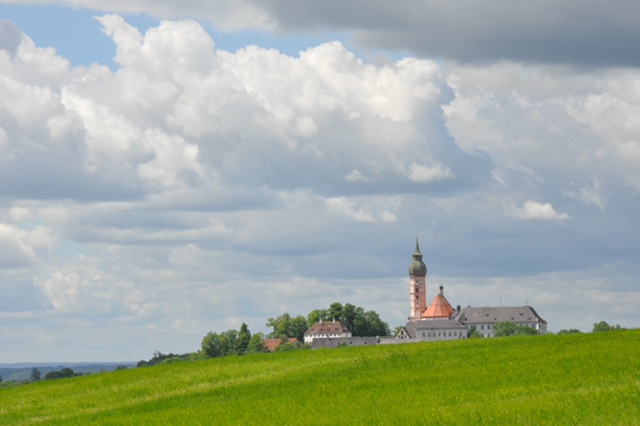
<point x="285" y="327"/>
<point x="597" y="328"/>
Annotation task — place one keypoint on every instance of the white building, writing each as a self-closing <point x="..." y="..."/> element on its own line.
<point x="440" y="321"/>
<point x="333" y="329"/>
<point x="485" y="319"/>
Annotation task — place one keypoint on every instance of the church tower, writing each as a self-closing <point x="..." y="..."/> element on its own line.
<point x="417" y="284"/>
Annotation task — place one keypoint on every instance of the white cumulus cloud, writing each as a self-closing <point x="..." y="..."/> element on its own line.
<point x="533" y="210"/>
<point x="424" y="174"/>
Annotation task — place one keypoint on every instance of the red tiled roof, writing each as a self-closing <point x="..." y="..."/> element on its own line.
<point x="272" y="344"/>
<point x="326" y="328"/>
<point x="439" y="308"/>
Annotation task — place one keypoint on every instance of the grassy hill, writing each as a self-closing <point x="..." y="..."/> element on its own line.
<point x="589" y="379"/>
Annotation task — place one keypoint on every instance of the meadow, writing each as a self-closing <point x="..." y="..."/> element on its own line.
<point x="586" y="379"/>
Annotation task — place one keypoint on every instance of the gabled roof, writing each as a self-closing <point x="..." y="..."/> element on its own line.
<point x="272" y="344"/>
<point x="334" y="327"/>
<point x="413" y="326"/>
<point x="439" y="308"/>
<point x="438" y="324"/>
<point x="516" y="314"/>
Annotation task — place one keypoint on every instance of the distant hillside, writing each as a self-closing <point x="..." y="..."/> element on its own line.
<point x="586" y="379"/>
<point x="22" y="371"/>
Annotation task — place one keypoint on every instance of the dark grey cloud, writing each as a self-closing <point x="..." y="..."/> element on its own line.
<point x="541" y="31"/>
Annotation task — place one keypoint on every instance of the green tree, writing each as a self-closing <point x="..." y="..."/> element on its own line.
<point x="256" y="344"/>
<point x="335" y="312"/>
<point x="215" y="345"/>
<point x="280" y="326"/>
<point x="349" y="314"/>
<point x="211" y="346"/>
<point x="244" y="337"/>
<point x="356" y="319"/>
<point x="299" y="325"/>
<point x="505" y="328"/>
<point x="35" y="375"/>
<point x="229" y="339"/>
<point x="473" y="333"/>
<point x="286" y="326"/>
<point x="64" y="373"/>
<point x="570" y="331"/>
<point x="604" y="326"/>
<point x="525" y="329"/>
<point x="317" y="315"/>
<point x="286" y="346"/>
<point x="369" y="323"/>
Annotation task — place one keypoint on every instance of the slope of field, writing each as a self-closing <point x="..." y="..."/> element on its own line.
<point x="589" y="379"/>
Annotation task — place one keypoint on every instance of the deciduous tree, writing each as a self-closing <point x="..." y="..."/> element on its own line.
<point x="317" y="315"/>
<point x="244" y="337"/>
<point x="570" y="331"/>
<point x="508" y="328"/>
<point x="35" y="375"/>
<point x="604" y="326"/>
<point x="354" y="318"/>
<point x="504" y="328"/>
<point x="256" y="344"/>
<point x="286" y="326"/>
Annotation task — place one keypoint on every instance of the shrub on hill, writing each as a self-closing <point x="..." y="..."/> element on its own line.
<point x="160" y="358"/>
<point x="286" y="346"/>
<point x="61" y="374"/>
<point x="603" y="326"/>
<point x="569" y="331"/>
<point x="232" y="342"/>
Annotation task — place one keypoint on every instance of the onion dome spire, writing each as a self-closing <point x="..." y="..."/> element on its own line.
<point x="417" y="268"/>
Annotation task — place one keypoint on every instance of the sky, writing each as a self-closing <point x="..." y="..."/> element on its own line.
<point x="169" y="169"/>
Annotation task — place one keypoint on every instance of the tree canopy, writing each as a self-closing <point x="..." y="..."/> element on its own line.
<point x="507" y="328"/>
<point x="604" y="326"/>
<point x="354" y="318"/>
<point x="569" y="331"/>
<point x="256" y="344"/>
<point x="287" y="326"/>
<point x="64" y="373"/>
<point x="216" y="345"/>
<point x="35" y="375"/>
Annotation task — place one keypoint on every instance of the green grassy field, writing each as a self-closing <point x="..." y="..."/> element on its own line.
<point x="589" y="379"/>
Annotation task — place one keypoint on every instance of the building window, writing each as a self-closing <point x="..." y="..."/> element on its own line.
<point x="482" y="327"/>
<point x="423" y="334"/>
